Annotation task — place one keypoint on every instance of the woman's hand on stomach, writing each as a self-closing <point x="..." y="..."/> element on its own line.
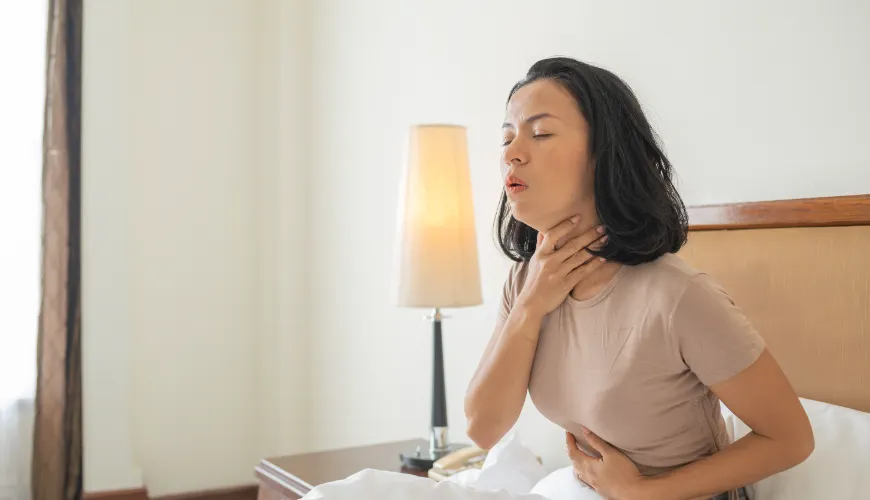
<point x="556" y="268"/>
<point x="612" y="474"/>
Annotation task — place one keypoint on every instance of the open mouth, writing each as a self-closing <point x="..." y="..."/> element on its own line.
<point x="514" y="185"/>
<point x="516" y="188"/>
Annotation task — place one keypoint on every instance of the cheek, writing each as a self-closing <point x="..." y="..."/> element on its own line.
<point x="586" y="178"/>
<point x="571" y="176"/>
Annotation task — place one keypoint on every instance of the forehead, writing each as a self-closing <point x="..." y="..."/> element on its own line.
<point x="542" y="96"/>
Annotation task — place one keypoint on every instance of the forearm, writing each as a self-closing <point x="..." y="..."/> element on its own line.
<point x="498" y="388"/>
<point x="748" y="460"/>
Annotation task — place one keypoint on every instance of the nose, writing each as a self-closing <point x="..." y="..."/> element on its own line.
<point x="515" y="153"/>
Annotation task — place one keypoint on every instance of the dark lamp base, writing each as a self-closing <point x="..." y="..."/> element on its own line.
<point x="422" y="459"/>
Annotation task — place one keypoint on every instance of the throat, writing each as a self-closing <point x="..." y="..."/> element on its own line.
<point x="593" y="284"/>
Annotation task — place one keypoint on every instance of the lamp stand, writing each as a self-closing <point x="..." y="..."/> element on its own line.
<point x="438" y="445"/>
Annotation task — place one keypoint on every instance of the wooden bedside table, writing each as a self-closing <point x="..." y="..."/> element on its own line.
<point x="291" y="477"/>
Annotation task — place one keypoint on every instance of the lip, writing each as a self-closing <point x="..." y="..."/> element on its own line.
<point x="514" y="185"/>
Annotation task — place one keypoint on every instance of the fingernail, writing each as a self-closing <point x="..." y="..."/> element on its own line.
<point x="575" y="219"/>
<point x="585" y="430"/>
<point x="604" y="239"/>
<point x="602" y="259"/>
<point x="600" y="229"/>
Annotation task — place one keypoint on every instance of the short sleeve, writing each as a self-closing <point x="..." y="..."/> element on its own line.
<point x="715" y="338"/>
<point x="513" y="285"/>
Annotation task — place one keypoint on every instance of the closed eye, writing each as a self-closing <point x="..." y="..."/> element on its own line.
<point x="506" y="142"/>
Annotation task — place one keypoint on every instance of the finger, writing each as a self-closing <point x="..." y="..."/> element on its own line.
<point x="556" y="233"/>
<point x="584" y="269"/>
<point x="570" y="442"/>
<point x="582" y="476"/>
<point x="578" y="259"/>
<point x="586" y="475"/>
<point x="596" y="442"/>
<point x="574" y="453"/>
<point x="578" y="473"/>
<point x="588" y="239"/>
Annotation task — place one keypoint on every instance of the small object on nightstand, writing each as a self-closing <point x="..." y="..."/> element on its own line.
<point x="425" y="459"/>
<point x="470" y="457"/>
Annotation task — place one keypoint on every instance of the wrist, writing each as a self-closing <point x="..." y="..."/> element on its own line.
<point x="648" y="488"/>
<point x="528" y="310"/>
<point x="527" y="320"/>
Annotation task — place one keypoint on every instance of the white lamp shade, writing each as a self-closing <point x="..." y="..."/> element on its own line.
<point x="436" y="246"/>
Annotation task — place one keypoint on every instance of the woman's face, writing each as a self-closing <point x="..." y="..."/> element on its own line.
<point x="545" y="157"/>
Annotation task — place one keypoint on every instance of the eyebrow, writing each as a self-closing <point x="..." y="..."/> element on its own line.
<point x="531" y="119"/>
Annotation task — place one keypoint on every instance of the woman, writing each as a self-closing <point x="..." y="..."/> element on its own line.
<point x="616" y="339"/>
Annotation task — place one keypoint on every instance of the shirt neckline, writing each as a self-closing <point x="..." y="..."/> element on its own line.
<point x="603" y="293"/>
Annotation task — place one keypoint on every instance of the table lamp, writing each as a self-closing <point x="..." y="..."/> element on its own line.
<point x="436" y="252"/>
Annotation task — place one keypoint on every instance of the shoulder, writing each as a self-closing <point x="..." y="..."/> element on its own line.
<point x="710" y="332"/>
<point x="669" y="267"/>
<point x="664" y="281"/>
<point x="681" y="286"/>
<point x="513" y="285"/>
<point x="517" y="277"/>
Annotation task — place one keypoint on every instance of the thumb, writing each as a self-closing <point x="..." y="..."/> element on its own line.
<point x="574" y="453"/>
<point x="540" y="237"/>
<point x="600" y="445"/>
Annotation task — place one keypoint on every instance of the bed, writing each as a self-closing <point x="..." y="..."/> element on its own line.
<point x="800" y="269"/>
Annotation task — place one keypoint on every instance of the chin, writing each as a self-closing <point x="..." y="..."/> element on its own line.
<point x="538" y="219"/>
<point x="531" y="218"/>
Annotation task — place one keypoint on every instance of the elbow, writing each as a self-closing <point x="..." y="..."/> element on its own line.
<point x="799" y="446"/>
<point x="804" y="446"/>
<point x="481" y="429"/>
<point x="490" y="420"/>
<point x="483" y="436"/>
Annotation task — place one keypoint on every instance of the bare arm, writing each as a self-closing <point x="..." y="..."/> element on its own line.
<point x="718" y="344"/>
<point x="498" y="388"/>
<point x="781" y="436"/>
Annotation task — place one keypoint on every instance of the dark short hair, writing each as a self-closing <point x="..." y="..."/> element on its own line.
<point x="635" y="196"/>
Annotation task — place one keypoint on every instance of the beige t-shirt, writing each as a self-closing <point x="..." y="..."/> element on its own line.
<point x="634" y="363"/>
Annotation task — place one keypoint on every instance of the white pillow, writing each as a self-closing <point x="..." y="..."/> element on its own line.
<point x="509" y="466"/>
<point x="561" y="484"/>
<point x="372" y="484"/>
<point x="839" y="467"/>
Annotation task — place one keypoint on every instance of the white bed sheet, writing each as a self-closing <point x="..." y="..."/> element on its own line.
<point x="839" y="468"/>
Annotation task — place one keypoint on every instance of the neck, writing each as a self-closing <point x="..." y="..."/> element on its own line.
<point x="599" y="279"/>
<point x="595" y="282"/>
<point x="588" y="220"/>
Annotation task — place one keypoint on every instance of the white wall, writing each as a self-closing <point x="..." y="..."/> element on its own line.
<point x="282" y="383"/>
<point x="193" y="364"/>
<point x="107" y="241"/>
<point x="754" y="100"/>
<point x="194" y="261"/>
<point x="241" y="165"/>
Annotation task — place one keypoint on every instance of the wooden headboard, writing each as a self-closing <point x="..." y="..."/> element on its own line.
<point x="800" y="270"/>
